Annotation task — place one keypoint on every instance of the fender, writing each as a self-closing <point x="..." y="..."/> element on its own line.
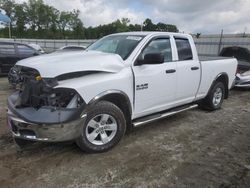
<point x="106" y="93"/>
<point x="216" y="78"/>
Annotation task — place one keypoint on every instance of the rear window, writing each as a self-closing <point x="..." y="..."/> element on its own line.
<point x="184" y="49"/>
<point x="7" y="49"/>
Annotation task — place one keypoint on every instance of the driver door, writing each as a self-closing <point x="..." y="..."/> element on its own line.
<point x="155" y="84"/>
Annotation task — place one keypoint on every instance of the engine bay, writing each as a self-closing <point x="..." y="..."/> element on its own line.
<point x="38" y="92"/>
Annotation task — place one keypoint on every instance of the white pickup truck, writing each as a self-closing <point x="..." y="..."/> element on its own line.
<point x="121" y="81"/>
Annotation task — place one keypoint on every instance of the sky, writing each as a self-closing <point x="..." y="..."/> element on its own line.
<point x="190" y="16"/>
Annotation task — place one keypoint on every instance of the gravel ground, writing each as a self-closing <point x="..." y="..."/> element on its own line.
<point x="191" y="149"/>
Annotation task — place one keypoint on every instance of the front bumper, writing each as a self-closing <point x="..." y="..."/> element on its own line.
<point x="44" y="132"/>
<point x="44" y="124"/>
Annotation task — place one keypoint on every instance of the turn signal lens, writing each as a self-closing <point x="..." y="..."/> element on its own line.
<point x="38" y="78"/>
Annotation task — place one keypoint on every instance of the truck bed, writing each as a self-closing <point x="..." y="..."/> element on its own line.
<point x="211" y="58"/>
<point x="242" y="64"/>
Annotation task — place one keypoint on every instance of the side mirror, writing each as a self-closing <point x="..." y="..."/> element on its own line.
<point x="149" y="59"/>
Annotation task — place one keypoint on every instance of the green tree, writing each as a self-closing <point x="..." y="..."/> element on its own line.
<point x="65" y="21"/>
<point x="77" y="25"/>
<point x="166" y="27"/>
<point x="8" y="6"/>
<point x="20" y="20"/>
<point x="148" y="25"/>
<point x="35" y="19"/>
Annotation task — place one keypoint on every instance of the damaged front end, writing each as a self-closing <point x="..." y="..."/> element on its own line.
<point x="43" y="111"/>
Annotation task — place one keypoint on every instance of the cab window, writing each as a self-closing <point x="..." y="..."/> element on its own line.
<point x="184" y="49"/>
<point x="159" y="45"/>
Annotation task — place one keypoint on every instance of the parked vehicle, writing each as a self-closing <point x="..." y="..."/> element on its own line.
<point x="11" y="52"/>
<point x="243" y="72"/>
<point x="243" y="80"/>
<point x="37" y="47"/>
<point x="121" y="81"/>
<point x="71" y="48"/>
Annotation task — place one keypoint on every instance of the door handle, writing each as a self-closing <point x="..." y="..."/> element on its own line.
<point x="194" y="68"/>
<point x="170" y="71"/>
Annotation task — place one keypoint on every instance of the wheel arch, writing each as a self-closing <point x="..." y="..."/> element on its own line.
<point x="222" y="77"/>
<point x="120" y="99"/>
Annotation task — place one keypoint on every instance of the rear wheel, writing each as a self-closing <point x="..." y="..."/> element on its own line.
<point x="103" y="129"/>
<point x="215" y="97"/>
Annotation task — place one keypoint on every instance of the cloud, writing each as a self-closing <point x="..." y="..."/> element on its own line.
<point x="96" y="12"/>
<point x="189" y="15"/>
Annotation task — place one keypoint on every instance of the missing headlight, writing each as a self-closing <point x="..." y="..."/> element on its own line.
<point x="66" y="98"/>
<point x="39" y="93"/>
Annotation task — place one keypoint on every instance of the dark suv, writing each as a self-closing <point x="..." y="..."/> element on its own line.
<point x="11" y="52"/>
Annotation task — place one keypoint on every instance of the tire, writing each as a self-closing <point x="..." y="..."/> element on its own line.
<point x="103" y="129"/>
<point x="215" y="97"/>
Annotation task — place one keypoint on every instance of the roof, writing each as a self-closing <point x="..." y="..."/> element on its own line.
<point x="146" y="33"/>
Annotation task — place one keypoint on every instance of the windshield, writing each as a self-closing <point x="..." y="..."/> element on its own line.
<point x="122" y="45"/>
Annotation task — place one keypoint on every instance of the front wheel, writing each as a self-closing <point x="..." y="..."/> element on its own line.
<point x="215" y="97"/>
<point x="103" y="129"/>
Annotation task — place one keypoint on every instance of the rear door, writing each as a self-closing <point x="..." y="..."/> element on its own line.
<point x="8" y="57"/>
<point x="189" y="72"/>
<point x="155" y="85"/>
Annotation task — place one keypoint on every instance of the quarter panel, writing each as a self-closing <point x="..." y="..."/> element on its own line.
<point x="211" y="69"/>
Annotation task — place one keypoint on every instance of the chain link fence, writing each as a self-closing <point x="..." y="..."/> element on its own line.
<point x="50" y="45"/>
<point x="212" y="45"/>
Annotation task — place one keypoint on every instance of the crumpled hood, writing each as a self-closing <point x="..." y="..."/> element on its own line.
<point x="55" y="64"/>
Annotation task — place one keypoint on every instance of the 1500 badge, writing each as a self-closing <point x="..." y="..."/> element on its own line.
<point x="142" y="86"/>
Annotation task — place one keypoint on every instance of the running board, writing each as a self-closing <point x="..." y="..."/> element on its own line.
<point x="151" y="118"/>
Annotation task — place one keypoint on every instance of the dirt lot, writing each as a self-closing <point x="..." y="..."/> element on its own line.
<point x="191" y="149"/>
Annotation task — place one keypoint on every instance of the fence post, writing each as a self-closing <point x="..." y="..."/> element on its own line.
<point x="45" y="46"/>
<point x="220" y="43"/>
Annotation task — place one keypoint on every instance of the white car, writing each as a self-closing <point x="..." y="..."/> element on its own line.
<point x="243" y="80"/>
<point x="71" y="48"/>
<point x="121" y="81"/>
<point x="37" y="47"/>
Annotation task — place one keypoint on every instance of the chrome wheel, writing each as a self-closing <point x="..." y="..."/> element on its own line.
<point x="101" y="129"/>
<point x="218" y="94"/>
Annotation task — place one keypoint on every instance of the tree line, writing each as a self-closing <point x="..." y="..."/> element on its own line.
<point x="35" y="19"/>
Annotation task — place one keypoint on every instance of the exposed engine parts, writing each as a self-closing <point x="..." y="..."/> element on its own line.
<point x="37" y="92"/>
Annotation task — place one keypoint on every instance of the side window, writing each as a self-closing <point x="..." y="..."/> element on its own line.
<point x="161" y="45"/>
<point x="25" y="50"/>
<point x="184" y="49"/>
<point x="7" y="50"/>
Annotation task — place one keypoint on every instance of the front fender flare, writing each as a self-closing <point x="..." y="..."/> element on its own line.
<point x="106" y="93"/>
